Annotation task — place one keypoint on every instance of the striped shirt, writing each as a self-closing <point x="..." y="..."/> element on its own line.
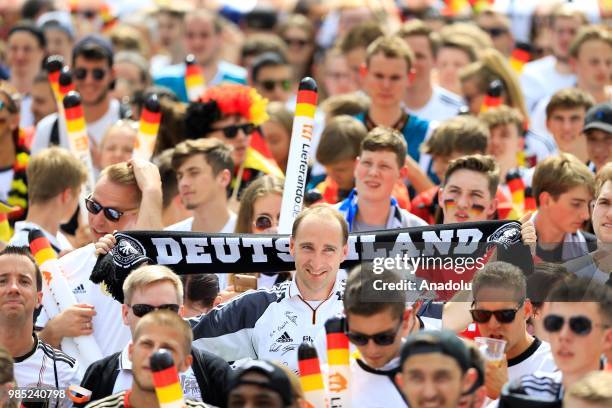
<point x="118" y="401"/>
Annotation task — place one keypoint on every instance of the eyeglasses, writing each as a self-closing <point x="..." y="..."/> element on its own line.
<point x="296" y="42"/>
<point x="270" y="84"/>
<point x="88" y="14"/>
<point x="503" y="316"/>
<point x="232" y="131"/>
<point x="95" y="207"/>
<point x="263" y="222"/>
<point x="97" y="73"/>
<point x="380" y="339"/>
<point x="580" y="325"/>
<point x="142" y="309"/>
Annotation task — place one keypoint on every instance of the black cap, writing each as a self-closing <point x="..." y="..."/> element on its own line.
<point x="276" y="379"/>
<point x="599" y="117"/>
<point x="437" y="341"/>
<point x="94" y="41"/>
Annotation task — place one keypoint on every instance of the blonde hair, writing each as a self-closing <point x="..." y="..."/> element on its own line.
<point x="278" y="113"/>
<point x="603" y="175"/>
<point x="492" y="66"/>
<point x="390" y="47"/>
<point x="52" y="171"/>
<point x="593" y="388"/>
<point x="130" y="125"/>
<point x="589" y="33"/>
<point x="558" y="174"/>
<point x="502" y="115"/>
<point x="168" y="319"/>
<point x="147" y="275"/>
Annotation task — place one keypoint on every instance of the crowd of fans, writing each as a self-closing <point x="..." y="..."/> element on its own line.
<point x="431" y="114"/>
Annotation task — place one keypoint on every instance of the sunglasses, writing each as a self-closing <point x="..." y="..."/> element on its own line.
<point x="495" y="31"/>
<point x="270" y="84"/>
<point x="580" y="325"/>
<point x="380" y="339"/>
<point x="503" y="316"/>
<point x="142" y="309"/>
<point x="232" y="131"/>
<point x="95" y="207"/>
<point x="263" y="222"/>
<point x="97" y="73"/>
<point x="296" y="42"/>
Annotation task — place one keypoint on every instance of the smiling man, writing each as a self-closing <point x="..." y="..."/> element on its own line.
<point x="127" y="196"/>
<point x="274" y="322"/>
<point x="563" y="188"/>
<point x="380" y="166"/>
<point x="500" y="309"/>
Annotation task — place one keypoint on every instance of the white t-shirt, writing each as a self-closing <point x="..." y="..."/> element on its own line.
<point x="6" y="178"/>
<point x="108" y="329"/>
<point x="375" y="388"/>
<point x="125" y="378"/>
<point x="229" y="227"/>
<point x="442" y="105"/>
<point x="26" y="117"/>
<point x="95" y="130"/>
<point x="23" y="228"/>
<point x="36" y="368"/>
<point x="540" y="79"/>
<point x="538" y="147"/>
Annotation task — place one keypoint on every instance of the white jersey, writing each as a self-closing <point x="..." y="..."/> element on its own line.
<point x="108" y="329"/>
<point x="45" y="366"/>
<point x="537" y="357"/>
<point x="228" y="228"/>
<point x="442" y="105"/>
<point x="375" y="388"/>
<point x="95" y="130"/>
<point x="22" y="229"/>
<point x="541" y="79"/>
<point x="267" y="324"/>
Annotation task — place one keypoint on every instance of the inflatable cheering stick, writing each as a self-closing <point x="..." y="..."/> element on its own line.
<point x="166" y="380"/>
<point x="148" y="128"/>
<point x="530" y="202"/>
<point x="494" y="96"/>
<point x="194" y="78"/>
<point x="310" y="375"/>
<point x="520" y="56"/>
<point x="54" y="65"/>
<point x="299" y="154"/>
<point x="79" y="141"/>
<point x="338" y="361"/>
<point x="57" y="296"/>
<point x="65" y="82"/>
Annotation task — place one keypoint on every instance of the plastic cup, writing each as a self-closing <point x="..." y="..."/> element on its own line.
<point x="491" y="349"/>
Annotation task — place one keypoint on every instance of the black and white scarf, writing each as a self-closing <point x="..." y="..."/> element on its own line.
<point x="193" y="253"/>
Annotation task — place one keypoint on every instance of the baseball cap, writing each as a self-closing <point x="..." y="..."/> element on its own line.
<point x="94" y="41"/>
<point x="276" y="379"/>
<point x="437" y="341"/>
<point x="599" y="117"/>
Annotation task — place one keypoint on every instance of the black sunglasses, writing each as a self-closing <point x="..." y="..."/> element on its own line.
<point x="495" y="31"/>
<point x="142" y="309"/>
<point x="263" y="222"/>
<point x="504" y="316"/>
<point x="97" y="73"/>
<point x="95" y="207"/>
<point x="232" y="131"/>
<point x="380" y="339"/>
<point x="270" y="84"/>
<point x="580" y="325"/>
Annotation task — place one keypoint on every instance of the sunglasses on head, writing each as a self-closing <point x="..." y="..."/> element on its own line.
<point x="270" y="84"/>
<point x="580" y="325"/>
<point x="95" y="207"/>
<point x="141" y="309"/>
<point x="97" y="73"/>
<point x="502" y="316"/>
<point x="263" y="222"/>
<point x="291" y="42"/>
<point x="380" y="339"/>
<point x="231" y="131"/>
